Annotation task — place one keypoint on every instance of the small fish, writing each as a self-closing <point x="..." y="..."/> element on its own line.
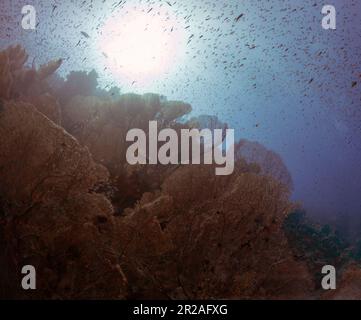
<point x="85" y="34"/>
<point x="239" y="17"/>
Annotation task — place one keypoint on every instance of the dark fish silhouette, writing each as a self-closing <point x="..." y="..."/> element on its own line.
<point x="239" y="17"/>
<point x="85" y="34"/>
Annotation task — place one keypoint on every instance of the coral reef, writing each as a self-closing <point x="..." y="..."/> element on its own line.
<point x="27" y="84"/>
<point x="270" y="163"/>
<point x="96" y="227"/>
<point x="52" y="216"/>
<point x="349" y="286"/>
<point x="223" y="241"/>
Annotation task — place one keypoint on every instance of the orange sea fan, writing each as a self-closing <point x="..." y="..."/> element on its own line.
<point x="11" y="62"/>
<point x="15" y="79"/>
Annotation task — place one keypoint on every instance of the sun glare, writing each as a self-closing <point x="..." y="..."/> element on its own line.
<point x="141" y="44"/>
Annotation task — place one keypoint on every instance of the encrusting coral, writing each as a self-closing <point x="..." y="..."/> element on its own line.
<point x="96" y="227"/>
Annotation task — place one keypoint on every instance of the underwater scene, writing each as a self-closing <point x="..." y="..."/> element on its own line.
<point x="180" y="150"/>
